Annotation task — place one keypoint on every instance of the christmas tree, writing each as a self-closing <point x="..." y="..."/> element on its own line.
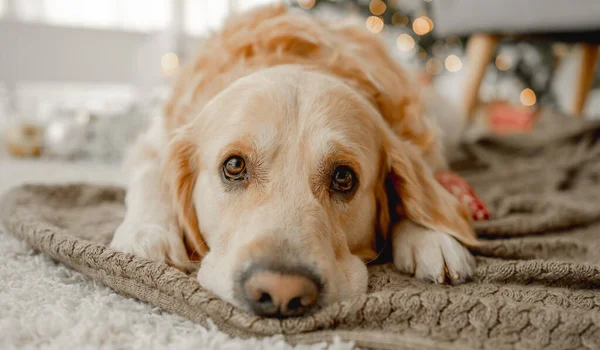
<point x="526" y="65"/>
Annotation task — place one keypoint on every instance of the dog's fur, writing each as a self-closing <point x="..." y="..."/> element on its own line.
<point x="295" y="97"/>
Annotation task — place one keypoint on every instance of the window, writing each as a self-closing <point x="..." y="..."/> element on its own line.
<point x="29" y="10"/>
<point x="142" y="15"/>
<point x="199" y="17"/>
<point x="242" y="5"/>
<point x="89" y="13"/>
<point x="145" y="14"/>
<point x="203" y="16"/>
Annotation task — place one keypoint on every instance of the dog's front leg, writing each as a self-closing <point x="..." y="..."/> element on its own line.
<point x="150" y="228"/>
<point x="430" y="255"/>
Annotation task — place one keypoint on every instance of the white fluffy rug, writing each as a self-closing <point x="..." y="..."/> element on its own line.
<point x="44" y="304"/>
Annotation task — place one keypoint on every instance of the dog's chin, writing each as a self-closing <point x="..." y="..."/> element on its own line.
<point x="355" y="279"/>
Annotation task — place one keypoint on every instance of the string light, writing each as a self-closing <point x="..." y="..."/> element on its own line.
<point x="405" y="42"/>
<point x="453" y="63"/>
<point x="422" y="54"/>
<point x="374" y="24"/>
<point x="306" y="4"/>
<point x="429" y="21"/>
<point x="527" y="97"/>
<point x="399" y="19"/>
<point x="169" y="63"/>
<point x="503" y="62"/>
<point x="422" y="25"/>
<point x="434" y="66"/>
<point x="377" y="7"/>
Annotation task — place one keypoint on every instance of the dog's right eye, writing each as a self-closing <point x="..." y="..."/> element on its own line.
<point x="234" y="169"/>
<point x="343" y="179"/>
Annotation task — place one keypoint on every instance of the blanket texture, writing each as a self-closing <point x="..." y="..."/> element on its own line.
<point x="536" y="283"/>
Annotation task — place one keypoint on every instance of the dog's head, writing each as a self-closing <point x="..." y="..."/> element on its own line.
<point x="286" y="184"/>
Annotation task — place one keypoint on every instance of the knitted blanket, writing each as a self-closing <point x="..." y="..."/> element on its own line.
<point x="536" y="284"/>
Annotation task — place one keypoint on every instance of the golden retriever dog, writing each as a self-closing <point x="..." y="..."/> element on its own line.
<point x="290" y="154"/>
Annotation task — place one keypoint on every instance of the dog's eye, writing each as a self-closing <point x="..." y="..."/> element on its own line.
<point x="234" y="168"/>
<point x="343" y="179"/>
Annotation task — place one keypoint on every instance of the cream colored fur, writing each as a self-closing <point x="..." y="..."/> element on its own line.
<point x="294" y="97"/>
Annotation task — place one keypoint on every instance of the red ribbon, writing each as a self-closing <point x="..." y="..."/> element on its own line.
<point x="460" y="189"/>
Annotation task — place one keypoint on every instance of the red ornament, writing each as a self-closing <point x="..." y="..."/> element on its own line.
<point x="460" y="189"/>
<point x="506" y="118"/>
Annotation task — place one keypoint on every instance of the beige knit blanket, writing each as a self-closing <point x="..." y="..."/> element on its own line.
<point x="536" y="285"/>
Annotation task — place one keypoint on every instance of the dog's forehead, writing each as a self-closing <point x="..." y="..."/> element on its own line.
<point x="299" y="99"/>
<point x="317" y="125"/>
<point x="285" y="108"/>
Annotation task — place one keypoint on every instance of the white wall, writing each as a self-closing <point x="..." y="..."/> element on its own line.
<point x="35" y="56"/>
<point x="37" y="52"/>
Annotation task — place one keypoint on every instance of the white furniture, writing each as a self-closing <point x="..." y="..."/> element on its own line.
<point x="487" y="21"/>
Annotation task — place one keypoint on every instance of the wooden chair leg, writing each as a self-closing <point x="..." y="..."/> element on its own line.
<point x="587" y="67"/>
<point x="480" y="49"/>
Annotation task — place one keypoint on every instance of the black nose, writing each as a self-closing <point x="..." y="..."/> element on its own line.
<point x="279" y="292"/>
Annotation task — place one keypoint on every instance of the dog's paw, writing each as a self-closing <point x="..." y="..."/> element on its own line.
<point x="430" y="255"/>
<point x="158" y="242"/>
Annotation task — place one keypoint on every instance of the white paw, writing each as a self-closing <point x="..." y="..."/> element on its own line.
<point x="430" y="255"/>
<point x="158" y="242"/>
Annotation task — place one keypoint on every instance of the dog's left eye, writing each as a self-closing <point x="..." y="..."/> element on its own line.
<point x="234" y="169"/>
<point x="343" y="179"/>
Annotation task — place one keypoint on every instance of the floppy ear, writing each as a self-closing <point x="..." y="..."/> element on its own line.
<point x="180" y="171"/>
<point x="421" y="198"/>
